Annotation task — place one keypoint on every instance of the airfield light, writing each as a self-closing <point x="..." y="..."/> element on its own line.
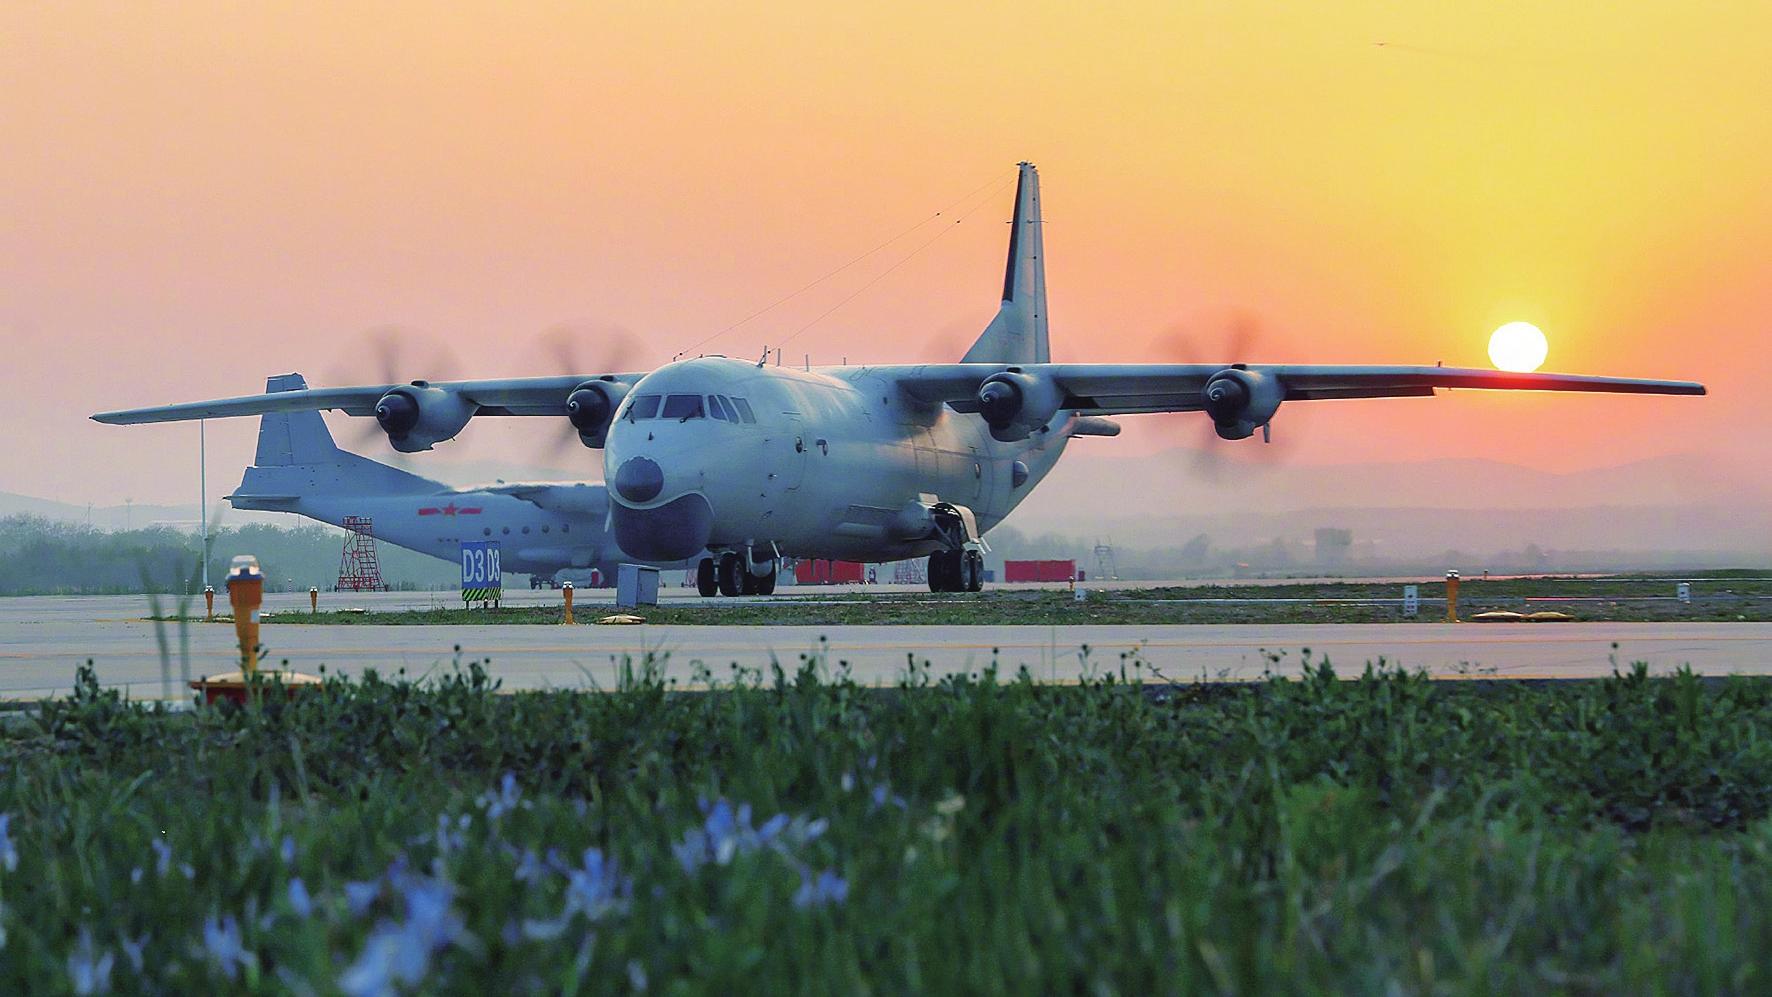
<point x="209" y="603"/>
<point x="313" y="599"/>
<point x="1452" y="597"/>
<point x="566" y="590"/>
<point x="246" y="591"/>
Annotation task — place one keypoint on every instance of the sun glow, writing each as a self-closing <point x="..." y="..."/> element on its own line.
<point x="1518" y="346"/>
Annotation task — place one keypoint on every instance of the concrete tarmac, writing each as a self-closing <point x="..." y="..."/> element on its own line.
<point x="43" y="640"/>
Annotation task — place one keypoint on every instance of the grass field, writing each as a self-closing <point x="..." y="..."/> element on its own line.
<point x="1716" y="597"/>
<point x="797" y="832"/>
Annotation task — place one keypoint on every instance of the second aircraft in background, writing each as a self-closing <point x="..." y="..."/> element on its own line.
<point x="548" y="530"/>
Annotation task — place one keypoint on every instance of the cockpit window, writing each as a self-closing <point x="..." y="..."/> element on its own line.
<point x="744" y="409"/>
<point x="717" y="410"/>
<point x="682" y="407"/>
<point x="642" y="407"/>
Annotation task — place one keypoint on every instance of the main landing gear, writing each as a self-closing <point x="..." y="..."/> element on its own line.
<point x="729" y="575"/>
<point x="956" y="571"/>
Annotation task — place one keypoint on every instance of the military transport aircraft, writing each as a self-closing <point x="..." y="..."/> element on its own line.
<point x="545" y="529"/>
<point x="753" y="462"/>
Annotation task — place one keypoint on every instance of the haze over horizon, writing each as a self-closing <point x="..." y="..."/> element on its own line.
<point x="200" y="196"/>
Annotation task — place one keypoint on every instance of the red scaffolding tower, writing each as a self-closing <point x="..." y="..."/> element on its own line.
<point x="358" y="568"/>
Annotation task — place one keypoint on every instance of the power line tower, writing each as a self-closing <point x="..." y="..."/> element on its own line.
<point x="358" y="568"/>
<point x="1104" y="560"/>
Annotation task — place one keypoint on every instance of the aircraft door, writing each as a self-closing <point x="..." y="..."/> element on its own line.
<point x="976" y="468"/>
<point x="786" y="455"/>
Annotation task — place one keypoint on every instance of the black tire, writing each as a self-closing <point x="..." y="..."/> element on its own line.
<point x="731" y="572"/>
<point x="937" y="572"/>
<point x="766" y="583"/>
<point x="705" y="582"/>
<point x="968" y="580"/>
<point x="747" y="582"/>
<point x="976" y="559"/>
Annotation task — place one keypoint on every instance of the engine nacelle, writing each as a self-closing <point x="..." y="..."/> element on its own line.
<point x="1241" y="401"/>
<point x="1015" y="404"/>
<point x="417" y="416"/>
<point x="591" y="407"/>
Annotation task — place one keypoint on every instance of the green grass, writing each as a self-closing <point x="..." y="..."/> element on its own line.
<point x="1610" y="599"/>
<point x="1387" y="833"/>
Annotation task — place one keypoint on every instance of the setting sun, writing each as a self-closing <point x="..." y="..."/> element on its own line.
<point x="1518" y="346"/>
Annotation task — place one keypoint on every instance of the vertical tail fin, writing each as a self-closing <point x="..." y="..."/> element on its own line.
<point x="286" y="438"/>
<point x="1018" y="333"/>
<point x="297" y="460"/>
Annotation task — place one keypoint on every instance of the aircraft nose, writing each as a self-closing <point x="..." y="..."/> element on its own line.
<point x="677" y="530"/>
<point x="639" y="479"/>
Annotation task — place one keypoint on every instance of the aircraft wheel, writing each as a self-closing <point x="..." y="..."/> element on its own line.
<point x="766" y="584"/>
<point x="705" y="582"/>
<point x="938" y="571"/>
<point x="747" y="582"/>
<point x="976" y="561"/>
<point x="971" y="571"/>
<point x="731" y="570"/>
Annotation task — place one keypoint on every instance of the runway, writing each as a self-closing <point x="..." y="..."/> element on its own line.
<point x="43" y="640"/>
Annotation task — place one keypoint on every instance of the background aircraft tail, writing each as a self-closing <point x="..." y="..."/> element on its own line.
<point x="286" y="438"/>
<point x="1018" y="333"/>
<point x="298" y="459"/>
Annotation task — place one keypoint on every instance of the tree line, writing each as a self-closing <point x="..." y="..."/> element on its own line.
<point x="41" y="556"/>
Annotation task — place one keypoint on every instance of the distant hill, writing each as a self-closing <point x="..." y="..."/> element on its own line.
<point x="127" y="516"/>
<point x="1660" y="511"/>
<point x="1175" y="481"/>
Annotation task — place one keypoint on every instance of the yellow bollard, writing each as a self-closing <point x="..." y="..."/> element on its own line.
<point x="313" y="599"/>
<point x="246" y="591"/>
<point x="566" y="588"/>
<point x="209" y="603"/>
<point x="1451" y="597"/>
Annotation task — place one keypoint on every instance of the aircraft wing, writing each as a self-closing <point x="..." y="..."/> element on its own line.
<point x="1125" y="389"/>
<point x="497" y="396"/>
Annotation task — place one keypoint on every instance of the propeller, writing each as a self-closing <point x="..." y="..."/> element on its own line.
<point x="591" y="349"/>
<point x="950" y="342"/>
<point x="1238" y="337"/>
<point x="397" y="355"/>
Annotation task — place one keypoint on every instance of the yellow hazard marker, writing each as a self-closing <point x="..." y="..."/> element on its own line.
<point x="313" y="599"/>
<point x="209" y="603"/>
<point x="1451" y="597"/>
<point x="566" y="589"/>
<point x="246" y="591"/>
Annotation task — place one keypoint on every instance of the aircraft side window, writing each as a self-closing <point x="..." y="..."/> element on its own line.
<point x="643" y="407"/>
<point x="681" y="407"/>
<point x="744" y="409"/>
<point x="731" y="409"/>
<point x="716" y="410"/>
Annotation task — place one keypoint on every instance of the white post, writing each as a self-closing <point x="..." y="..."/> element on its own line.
<point x="203" y="492"/>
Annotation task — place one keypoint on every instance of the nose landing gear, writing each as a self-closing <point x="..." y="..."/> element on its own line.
<point x="956" y="571"/>
<point x="731" y="573"/>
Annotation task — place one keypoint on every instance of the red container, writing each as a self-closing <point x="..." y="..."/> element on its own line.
<point x="1039" y="571"/>
<point x="820" y="572"/>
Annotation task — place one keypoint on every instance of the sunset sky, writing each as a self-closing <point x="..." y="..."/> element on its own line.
<point x="195" y="196"/>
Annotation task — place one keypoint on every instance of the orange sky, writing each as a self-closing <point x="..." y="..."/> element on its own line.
<point x="197" y="196"/>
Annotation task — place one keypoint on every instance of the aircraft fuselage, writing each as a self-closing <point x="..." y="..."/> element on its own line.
<point x="833" y="463"/>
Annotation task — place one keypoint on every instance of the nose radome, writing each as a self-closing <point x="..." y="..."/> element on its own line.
<point x="639" y="479"/>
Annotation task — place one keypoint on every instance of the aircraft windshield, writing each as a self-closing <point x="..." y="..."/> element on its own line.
<point x="686" y="407"/>
<point x="643" y="407"/>
<point x="682" y="407"/>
